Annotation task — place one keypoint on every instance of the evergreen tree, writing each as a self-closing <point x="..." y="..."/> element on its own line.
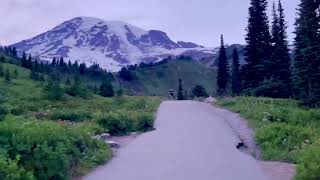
<point x="53" y="62"/>
<point x="34" y="75"/>
<point x="77" y="89"/>
<point x="24" y="62"/>
<point x="106" y="89"/>
<point x="199" y="91"/>
<point x="29" y="62"/>
<point x="307" y="53"/>
<point x="3" y="111"/>
<point x="119" y="92"/>
<point x="82" y="68"/>
<point x="236" y="79"/>
<point x="125" y="74"/>
<point x="2" y="59"/>
<point x="258" y="47"/>
<point x="223" y="70"/>
<point x="53" y="89"/>
<point x="7" y="75"/>
<point x="1" y="70"/>
<point x="15" y="74"/>
<point x="180" y="90"/>
<point x="280" y="60"/>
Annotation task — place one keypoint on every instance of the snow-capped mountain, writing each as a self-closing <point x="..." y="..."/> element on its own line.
<point x="111" y="44"/>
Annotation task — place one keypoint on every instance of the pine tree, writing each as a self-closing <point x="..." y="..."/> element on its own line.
<point x="258" y="47"/>
<point x="24" y="60"/>
<point x="307" y="53"/>
<point x="236" y="79"/>
<point x="7" y="75"/>
<point x="180" y="90"/>
<point x="223" y="70"/>
<point x="280" y="69"/>
<point x="2" y="59"/>
<point x="29" y="62"/>
<point x="106" y="89"/>
<point x="15" y="74"/>
<point x="53" y="62"/>
<point x="1" y="70"/>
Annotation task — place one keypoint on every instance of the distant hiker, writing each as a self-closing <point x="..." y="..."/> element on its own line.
<point x="171" y="94"/>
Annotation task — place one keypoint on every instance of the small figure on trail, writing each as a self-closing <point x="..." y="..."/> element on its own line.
<point x="171" y="94"/>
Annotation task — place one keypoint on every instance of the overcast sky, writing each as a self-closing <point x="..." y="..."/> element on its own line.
<point x="199" y="21"/>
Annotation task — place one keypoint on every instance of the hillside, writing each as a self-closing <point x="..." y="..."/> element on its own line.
<point x="45" y="138"/>
<point x="159" y="79"/>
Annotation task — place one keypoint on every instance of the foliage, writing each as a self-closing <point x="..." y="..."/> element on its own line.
<point x="123" y="122"/>
<point x="10" y="170"/>
<point x="309" y="166"/>
<point x="199" y="91"/>
<point x="126" y="74"/>
<point x="47" y="149"/>
<point x="283" y="141"/>
<point x="106" y="89"/>
<point x="33" y="129"/>
<point x="284" y="130"/>
<point x="77" y="89"/>
<point x="71" y="115"/>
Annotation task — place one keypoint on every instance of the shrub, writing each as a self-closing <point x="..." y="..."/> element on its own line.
<point x="70" y="115"/>
<point x="9" y="170"/>
<point x="122" y="122"/>
<point x="117" y="123"/>
<point x="145" y="121"/>
<point x="199" y="91"/>
<point x="50" y="150"/>
<point x="309" y="165"/>
<point x="281" y="141"/>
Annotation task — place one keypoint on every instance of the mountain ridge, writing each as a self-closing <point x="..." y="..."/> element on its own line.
<point x="111" y="44"/>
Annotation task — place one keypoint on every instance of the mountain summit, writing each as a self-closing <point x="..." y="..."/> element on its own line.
<point x="111" y="44"/>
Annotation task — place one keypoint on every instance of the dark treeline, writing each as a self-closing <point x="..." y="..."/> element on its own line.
<point x="58" y="72"/>
<point x="269" y="70"/>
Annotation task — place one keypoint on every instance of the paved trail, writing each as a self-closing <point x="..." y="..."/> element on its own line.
<point x="192" y="142"/>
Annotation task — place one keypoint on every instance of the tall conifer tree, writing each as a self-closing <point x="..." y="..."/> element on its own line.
<point x="307" y="53"/>
<point x="236" y="79"/>
<point x="258" y="47"/>
<point x="223" y="70"/>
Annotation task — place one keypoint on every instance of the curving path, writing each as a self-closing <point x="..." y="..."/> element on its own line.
<point x="192" y="142"/>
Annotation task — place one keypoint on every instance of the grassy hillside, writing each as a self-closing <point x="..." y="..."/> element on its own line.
<point x="159" y="79"/>
<point x="51" y="139"/>
<point x="284" y="131"/>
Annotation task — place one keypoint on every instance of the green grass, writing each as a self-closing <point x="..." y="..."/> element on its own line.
<point x="158" y="80"/>
<point x="43" y="139"/>
<point x="284" y="131"/>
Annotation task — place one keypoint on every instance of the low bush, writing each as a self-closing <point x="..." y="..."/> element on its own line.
<point x="10" y="170"/>
<point x="309" y="165"/>
<point x="49" y="150"/>
<point x="71" y="115"/>
<point x="123" y="122"/>
<point x="281" y="141"/>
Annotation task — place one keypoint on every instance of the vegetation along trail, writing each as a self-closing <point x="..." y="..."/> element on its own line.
<point x="191" y="141"/>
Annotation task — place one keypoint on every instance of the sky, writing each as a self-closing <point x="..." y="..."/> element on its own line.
<point x="198" y="21"/>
